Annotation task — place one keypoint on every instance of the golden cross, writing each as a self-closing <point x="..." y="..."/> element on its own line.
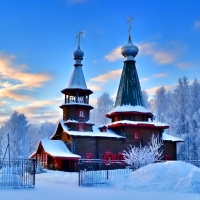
<point x="78" y="36"/>
<point x="129" y="22"/>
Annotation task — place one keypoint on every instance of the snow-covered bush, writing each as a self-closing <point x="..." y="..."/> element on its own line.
<point x="137" y="157"/>
<point x="39" y="168"/>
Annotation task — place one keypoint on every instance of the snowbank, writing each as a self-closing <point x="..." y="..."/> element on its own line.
<point x="173" y="176"/>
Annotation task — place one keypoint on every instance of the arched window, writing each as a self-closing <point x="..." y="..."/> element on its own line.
<point x="108" y="156"/>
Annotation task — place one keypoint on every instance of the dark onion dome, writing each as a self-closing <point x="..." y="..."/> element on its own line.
<point x="129" y="49"/>
<point x="78" y="53"/>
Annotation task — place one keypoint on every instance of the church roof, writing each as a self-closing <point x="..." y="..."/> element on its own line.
<point x="138" y="124"/>
<point x="95" y="133"/>
<point x="77" y="79"/>
<point x="129" y="108"/>
<point x="56" y="148"/>
<point x="129" y="91"/>
<point x="167" y="137"/>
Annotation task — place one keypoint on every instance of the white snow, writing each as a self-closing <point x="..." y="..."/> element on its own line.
<point x="129" y="108"/>
<point x="57" y="148"/>
<point x="174" y="180"/>
<point x="96" y="132"/>
<point x="167" y="137"/>
<point x="156" y="124"/>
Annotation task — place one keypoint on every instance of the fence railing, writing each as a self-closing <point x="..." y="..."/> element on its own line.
<point x="194" y="162"/>
<point x="97" y="171"/>
<point x="18" y="173"/>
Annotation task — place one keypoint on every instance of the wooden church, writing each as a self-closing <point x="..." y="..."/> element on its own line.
<point x="131" y="123"/>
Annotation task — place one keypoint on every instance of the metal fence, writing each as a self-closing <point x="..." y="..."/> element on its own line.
<point x="18" y="173"/>
<point x="193" y="162"/>
<point x="96" y="172"/>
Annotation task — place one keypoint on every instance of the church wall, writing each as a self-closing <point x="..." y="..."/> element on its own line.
<point x="85" y="145"/>
<point x="169" y="150"/>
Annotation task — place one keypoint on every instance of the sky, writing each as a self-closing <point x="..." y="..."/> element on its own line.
<point x="38" y="38"/>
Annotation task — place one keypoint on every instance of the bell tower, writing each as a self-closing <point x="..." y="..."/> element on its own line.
<point x="76" y="108"/>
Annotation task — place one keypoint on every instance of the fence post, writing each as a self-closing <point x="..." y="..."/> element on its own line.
<point x="34" y="171"/>
<point x="107" y="170"/>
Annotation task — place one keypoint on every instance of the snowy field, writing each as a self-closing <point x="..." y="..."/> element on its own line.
<point x="170" y="180"/>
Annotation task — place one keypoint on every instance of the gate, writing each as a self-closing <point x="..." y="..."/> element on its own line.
<point x="96" y="171"/>
<point x="18" y="173"/>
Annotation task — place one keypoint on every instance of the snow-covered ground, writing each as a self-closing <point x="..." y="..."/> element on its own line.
<point x="170" y="180"/>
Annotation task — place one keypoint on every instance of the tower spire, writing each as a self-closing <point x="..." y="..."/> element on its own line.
<point x="129" y="91"/>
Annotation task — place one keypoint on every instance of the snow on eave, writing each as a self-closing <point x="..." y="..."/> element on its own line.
<point x="167" y="137"/>
<point x="138" y="123"/>
<point x="95" y="133"/>
<point x="77" y="104"/>
<point x="129" y="108"/>
<point x="57" y="148"/>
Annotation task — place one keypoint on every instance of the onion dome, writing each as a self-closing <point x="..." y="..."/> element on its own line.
<point x="129" y="49"/>
<point x="78" y="53"/>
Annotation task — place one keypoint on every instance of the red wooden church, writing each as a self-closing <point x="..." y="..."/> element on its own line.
<point x="131" y="123"/>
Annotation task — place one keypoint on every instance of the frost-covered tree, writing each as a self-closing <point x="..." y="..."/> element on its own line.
<point x="146" y="100"/>
<point x="33" y="137"/>
<point x="17" y="127"/>
<point x="140" y="156"/>
<point x="37" y="132"/>
<point x="104" y="105"/>
<point x="160" y="103"/>
<point x="46" y="130"/>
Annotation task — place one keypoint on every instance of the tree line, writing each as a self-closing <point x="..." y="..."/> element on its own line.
<point x="23" y="137"/>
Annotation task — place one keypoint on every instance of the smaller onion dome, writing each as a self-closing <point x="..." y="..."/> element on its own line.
<point x="129" y="49"/>
<point x="78" y="53"/>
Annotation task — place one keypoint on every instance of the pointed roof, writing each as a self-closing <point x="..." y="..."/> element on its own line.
<point x="129" y="91"/>
<point x="77" y="79"/>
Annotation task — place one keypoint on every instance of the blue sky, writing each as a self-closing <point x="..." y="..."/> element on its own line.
<point x="38" y="37"/>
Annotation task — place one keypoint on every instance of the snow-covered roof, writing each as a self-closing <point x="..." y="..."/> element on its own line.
<point x="96" y="132"/>
<point x="77" y="79"/>
<point x="138" y="123"/>
<point x="167" y="137"/>
<point x="57" y="148"/>
<point x="76" y="103"/>
<point x="75" y="121"/>
<point x="129" y="108"/>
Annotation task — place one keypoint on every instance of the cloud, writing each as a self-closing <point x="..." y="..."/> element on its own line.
<point x="2" y="103"/>
<point x="152" y="91"/>
<point x="108" y="76"/>
<point x="197" y="24"/>
<point x="159" y="55"/>
<point x="96" y="83"/>
<point x="114" y="55"/>
<point x="40" y="111"/>
<point x="144" y="80"/>
<point x="15" y="79"/>
<point x="160" y="75"/>
<point x="185" y="65"/>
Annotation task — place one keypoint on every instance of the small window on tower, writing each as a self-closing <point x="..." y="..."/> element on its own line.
<point x="88" y="156"/>
<point x="81" y="113"/>
<point x="80" y="127"/>
<point x="136" y="135"/>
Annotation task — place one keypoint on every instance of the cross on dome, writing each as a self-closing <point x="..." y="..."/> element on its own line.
<point x="129" y="23"/>
<point x="79" y="36"/>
